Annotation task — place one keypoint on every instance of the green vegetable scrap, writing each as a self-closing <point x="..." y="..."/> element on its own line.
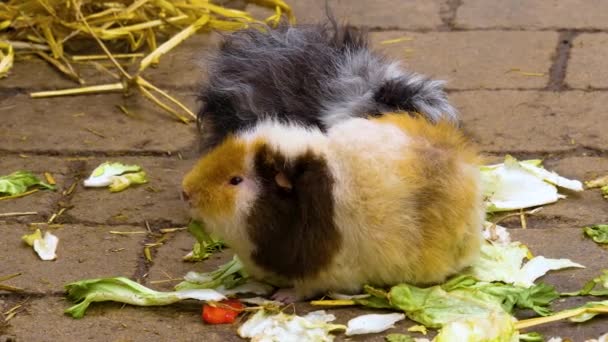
<point x="537" y="297"/>
<point x="464" y="296"/>
<point x="124" y="290"/>
<point x="532" y="337"/>
<point x="399" y="338"/>
<point x="229" y="275"/>
<point x="116" y="175"/>
<point x="589" y="289"/>
<point x="601" y="183"/>
<point x="598" y="232"/>
<point x="205" y="244"/>
<point x="18" y="182"/>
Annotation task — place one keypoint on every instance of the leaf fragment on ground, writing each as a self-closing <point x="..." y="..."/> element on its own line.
<point x="229" y="275"/>
<point x="116" y="176"/>
<point x="521" y="184"/>
<point x="418" y="328"/>
<point x="598" y="232"/>
<point x="313" y="327"/>
<point x="591" y="288"/>
<point x="18" y="183"/>
<point x="123" y="290"/>
<point x="601" y="182"/>
<point x="7" y="57"/>
<point x="372" y="323"/>
<point x="205" y="244"/>
<point x="45" y="247"/>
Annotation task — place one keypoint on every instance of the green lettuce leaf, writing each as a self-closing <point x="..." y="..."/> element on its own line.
<point x="123" y="290"/>
<point x="205" y="244"/>
<point x="532" y="337"/>
<point x="18" y="182"/>
<point x="598" y="232"/>
<point x="435" y="307"/>
<point x="589" y="289"/>
<point x="537" y="297"/>
<point x="229" y="275"/>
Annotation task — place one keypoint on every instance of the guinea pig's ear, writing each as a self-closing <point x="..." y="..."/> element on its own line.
<point x="283" y="181"/>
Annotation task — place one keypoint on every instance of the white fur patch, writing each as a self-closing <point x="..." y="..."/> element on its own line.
<point x="366" y="137"/>
<point x="290" y="139"/>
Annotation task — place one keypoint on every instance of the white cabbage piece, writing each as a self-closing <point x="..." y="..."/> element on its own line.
<point x="45" y="247"/>
<point x="494" y="327"/>
<point x="267" y="327"/>
<point x="372" y="323"/>
<point x="521" y="184"/>
<point x="496" y="234"/>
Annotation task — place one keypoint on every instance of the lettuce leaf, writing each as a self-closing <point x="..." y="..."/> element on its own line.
<point x="205" y="244"/>
<point x="598" y="232"/>
<point x="123" y="290"/>
<point x="230" y="275"/>
<point x="18" y="182"/>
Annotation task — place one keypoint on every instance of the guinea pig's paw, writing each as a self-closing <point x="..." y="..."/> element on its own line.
<point x="285" y="295"/>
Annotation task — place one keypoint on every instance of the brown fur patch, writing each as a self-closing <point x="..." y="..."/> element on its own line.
<point x="444" y="197"/>
<point x="208" y="182"/>
<point x="293" y="228"/>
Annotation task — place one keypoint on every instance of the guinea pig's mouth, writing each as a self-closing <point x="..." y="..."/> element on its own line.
<point x="191" y="203"/>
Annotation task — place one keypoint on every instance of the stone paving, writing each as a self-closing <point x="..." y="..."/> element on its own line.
<point x="529" y="77"/>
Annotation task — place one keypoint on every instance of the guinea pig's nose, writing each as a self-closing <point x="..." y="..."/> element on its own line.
<point x="185" y="196"/>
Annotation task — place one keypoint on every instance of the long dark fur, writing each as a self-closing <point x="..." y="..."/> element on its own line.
<point x="311" y="74"/>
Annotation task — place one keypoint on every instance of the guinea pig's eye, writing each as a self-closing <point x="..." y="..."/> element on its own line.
<point x="236" y="180"/>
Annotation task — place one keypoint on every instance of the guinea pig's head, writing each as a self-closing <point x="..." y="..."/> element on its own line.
<point x="221" y="186"/>
<point x="269" y="195"/>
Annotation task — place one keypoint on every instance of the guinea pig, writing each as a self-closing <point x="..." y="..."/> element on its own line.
<point x="312" y="75"/>
<point x="381" y="201"/>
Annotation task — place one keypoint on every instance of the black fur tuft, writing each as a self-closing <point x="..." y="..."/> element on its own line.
<point x="311" y="74"/>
